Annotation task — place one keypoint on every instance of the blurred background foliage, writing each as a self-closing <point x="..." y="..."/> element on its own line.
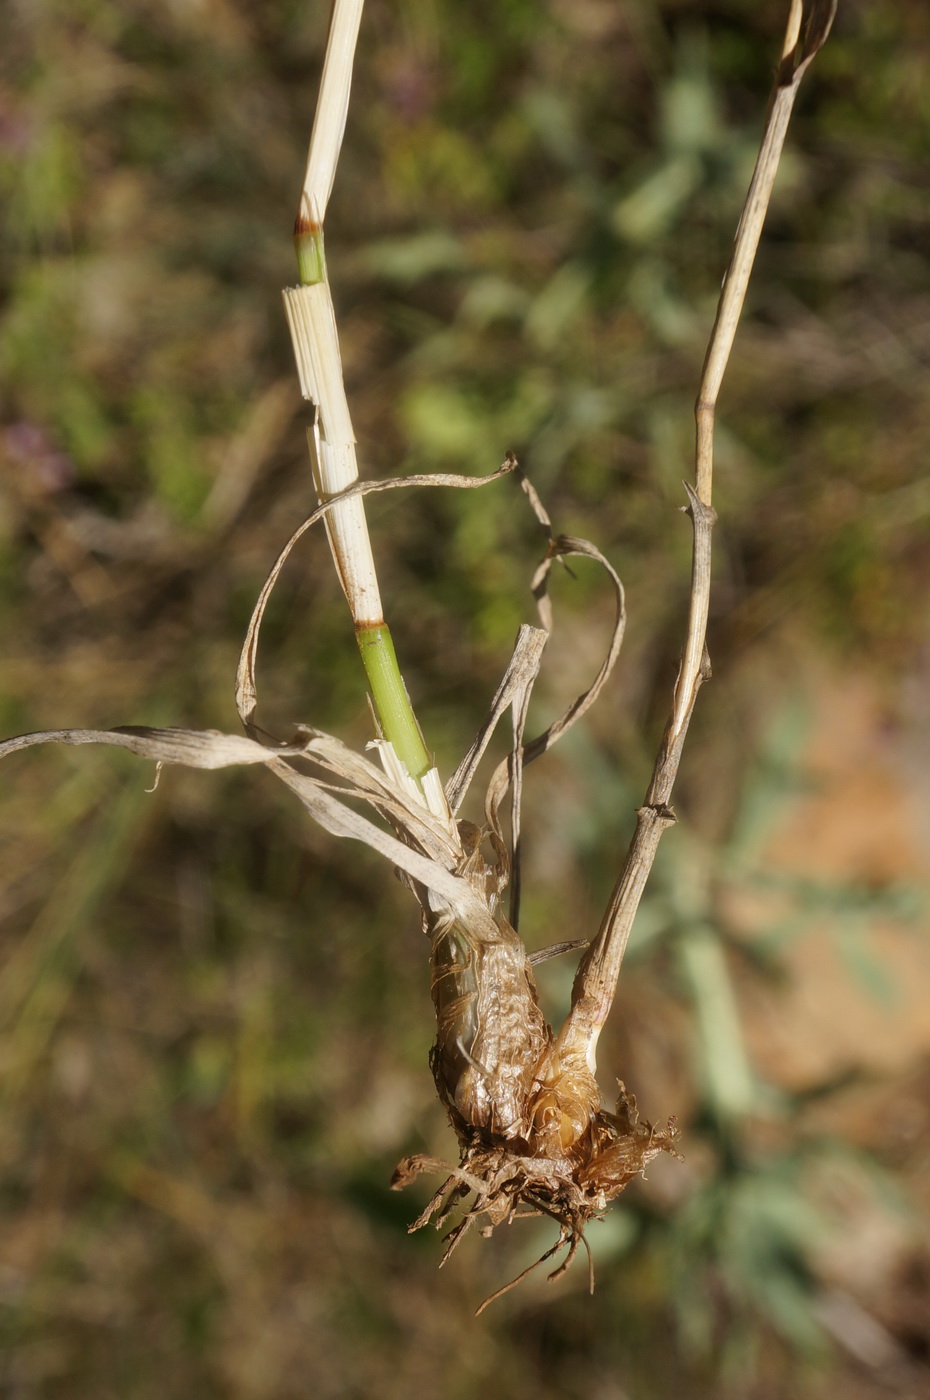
<point x="214" y="1019"/>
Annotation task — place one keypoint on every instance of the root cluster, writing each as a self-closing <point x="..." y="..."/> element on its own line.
<point x="507" y="1183"/>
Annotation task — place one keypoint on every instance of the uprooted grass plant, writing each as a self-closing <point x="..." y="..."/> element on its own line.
<point x="534" y="1137"/>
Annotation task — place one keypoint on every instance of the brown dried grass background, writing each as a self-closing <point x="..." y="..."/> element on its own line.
<point x="215" y="1019"/>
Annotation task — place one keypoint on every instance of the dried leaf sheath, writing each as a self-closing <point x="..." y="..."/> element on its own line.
<point x="490" y="1031"/>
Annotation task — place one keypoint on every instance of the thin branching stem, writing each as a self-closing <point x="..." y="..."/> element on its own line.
<point x="596" y="980"/>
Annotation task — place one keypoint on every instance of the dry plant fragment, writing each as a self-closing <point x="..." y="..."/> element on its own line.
<point x="523" y="1100"/>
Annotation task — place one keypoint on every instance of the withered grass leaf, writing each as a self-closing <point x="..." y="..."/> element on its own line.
<point x="193" y="748"/>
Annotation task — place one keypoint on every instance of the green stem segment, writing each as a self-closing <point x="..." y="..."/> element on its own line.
<point x="311" y="258"/>
<point x="392" y="704"/>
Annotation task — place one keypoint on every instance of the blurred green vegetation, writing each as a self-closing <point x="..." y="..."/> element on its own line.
<point x="215" y="1019"/>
